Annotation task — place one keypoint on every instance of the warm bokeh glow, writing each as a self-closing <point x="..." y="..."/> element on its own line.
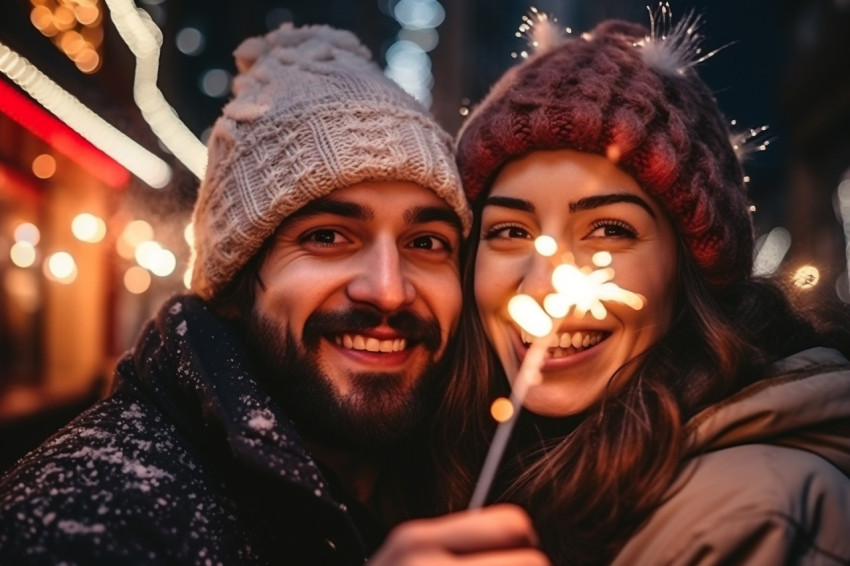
<point x="137" y="280"/>
<point x="146" y="253"/>
<point x="134" y="233"/>
<point x="163" y="263"/>
<point x="88" y="227"/>
<point x="529" y="315"/>
<point x="806" y="277"/>
<point x="61" y="267"/>
<point x="22" y="254"/>
<point x="27" y="232"/>
<point x="546" y="245"/>
<point x="501" y="410"/>
<point x="44" y="166"/>
<point x="602" y="259"/>
<point x="189" y="234"/>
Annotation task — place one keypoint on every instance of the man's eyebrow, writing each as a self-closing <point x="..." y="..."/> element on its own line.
<point x="335" y="207"/>
<point x="510" y="202"/>
<point x="423" y="214"/>
<point x="588" y="203"/>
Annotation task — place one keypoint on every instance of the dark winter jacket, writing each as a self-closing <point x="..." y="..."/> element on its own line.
<point x="186" y="462"/>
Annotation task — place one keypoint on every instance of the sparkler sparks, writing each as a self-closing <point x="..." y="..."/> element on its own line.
<point x="578" y="291"/>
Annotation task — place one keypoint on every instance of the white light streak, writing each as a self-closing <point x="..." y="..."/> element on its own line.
<point x="843" y="196"/>
<point x="144" y="39"/>
<point x="132" y="156"/>
<point x="772" y="252"/>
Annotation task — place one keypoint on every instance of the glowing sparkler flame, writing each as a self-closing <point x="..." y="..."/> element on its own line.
<point x="578" y="290"/>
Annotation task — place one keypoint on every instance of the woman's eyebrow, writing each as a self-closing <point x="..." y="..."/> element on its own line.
<point x="588" y="203"/>
<point x="510" y="202"/>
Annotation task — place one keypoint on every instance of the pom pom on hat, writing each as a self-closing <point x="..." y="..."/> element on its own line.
<point x="623" y="92"/>
<point x="311" y="113"/>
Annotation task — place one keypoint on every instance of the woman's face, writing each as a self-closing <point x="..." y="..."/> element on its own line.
<point x="587" y="205"/>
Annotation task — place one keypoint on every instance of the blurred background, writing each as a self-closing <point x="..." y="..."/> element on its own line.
<point x="98" y="176"/>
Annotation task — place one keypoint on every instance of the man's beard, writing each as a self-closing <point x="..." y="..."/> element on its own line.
<point x="382" y="409"/>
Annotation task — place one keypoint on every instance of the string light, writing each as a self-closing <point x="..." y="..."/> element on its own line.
<point x="136" y="159"/>
<point x="144" y="39"/>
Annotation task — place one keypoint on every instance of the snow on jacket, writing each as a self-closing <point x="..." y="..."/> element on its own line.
<point x="767" y="482"/>
<point x="186" y="462"/>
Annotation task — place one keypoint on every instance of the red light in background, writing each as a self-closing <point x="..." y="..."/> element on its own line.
<point x="60" y="137"/>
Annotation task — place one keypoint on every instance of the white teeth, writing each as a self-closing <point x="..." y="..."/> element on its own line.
<point x="576" y="342"/>
<point x="566" y="340"/>
<point x="369" y="344"/>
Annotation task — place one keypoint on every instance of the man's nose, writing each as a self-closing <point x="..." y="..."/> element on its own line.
<point x="382" y="280"/>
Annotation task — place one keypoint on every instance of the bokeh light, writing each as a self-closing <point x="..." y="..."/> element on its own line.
<point x="44" y="166"/>
<point x="137" y="280"/>
<point x="501" y="410"/>
<point x="87" y="227"/>
<point x="22" y="254"/>
<point x="27" y="232"/>
<point x="61" y="267"/>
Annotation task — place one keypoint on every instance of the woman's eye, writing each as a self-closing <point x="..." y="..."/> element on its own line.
<point x="612" y="229"/>
<point x="507" y="233"/>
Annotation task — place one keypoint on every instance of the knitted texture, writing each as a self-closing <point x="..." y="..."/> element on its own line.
<point x="311" y="113"/>
<point x="604" y="93"/>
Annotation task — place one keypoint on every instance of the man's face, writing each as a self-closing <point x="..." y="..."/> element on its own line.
<point x="361" y="291"/>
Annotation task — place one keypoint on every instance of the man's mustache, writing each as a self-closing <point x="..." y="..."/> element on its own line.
<point x="414" y="328"/>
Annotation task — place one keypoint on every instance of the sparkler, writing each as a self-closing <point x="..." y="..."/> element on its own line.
<point x="577" y="291"/>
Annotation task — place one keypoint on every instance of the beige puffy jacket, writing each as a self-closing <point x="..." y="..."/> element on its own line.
<point x="768" y="482"/>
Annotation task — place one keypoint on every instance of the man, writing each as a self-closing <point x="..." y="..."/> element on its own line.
<point x="276" y="415"/>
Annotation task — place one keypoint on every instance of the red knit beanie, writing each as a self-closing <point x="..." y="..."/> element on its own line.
<point x="624" y="93"/>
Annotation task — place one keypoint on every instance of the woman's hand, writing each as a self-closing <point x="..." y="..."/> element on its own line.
<point x="492" y="536"/>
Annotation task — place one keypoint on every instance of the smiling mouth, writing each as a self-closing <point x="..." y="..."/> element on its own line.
<point x="569" y="343"/>
<point x="370" y="344"/>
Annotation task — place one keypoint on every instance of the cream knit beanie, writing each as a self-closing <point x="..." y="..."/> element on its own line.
<point x="311" y="113"/>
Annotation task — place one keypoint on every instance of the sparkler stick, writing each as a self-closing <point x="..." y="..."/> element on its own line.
<point x="529" y="374"/>
<point x="577" y="290"/>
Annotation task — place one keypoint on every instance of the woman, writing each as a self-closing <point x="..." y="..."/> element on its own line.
<point x="711" y="425"/>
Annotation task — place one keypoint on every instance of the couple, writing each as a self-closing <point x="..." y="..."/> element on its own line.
<point x="322" y="384"/>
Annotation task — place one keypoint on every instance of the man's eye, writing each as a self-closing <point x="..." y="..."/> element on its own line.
<point x="430" y="243"/>
<point x="324" y="237"/>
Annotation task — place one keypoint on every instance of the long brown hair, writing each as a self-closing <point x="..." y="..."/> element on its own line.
<point x="589" y="489"/>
